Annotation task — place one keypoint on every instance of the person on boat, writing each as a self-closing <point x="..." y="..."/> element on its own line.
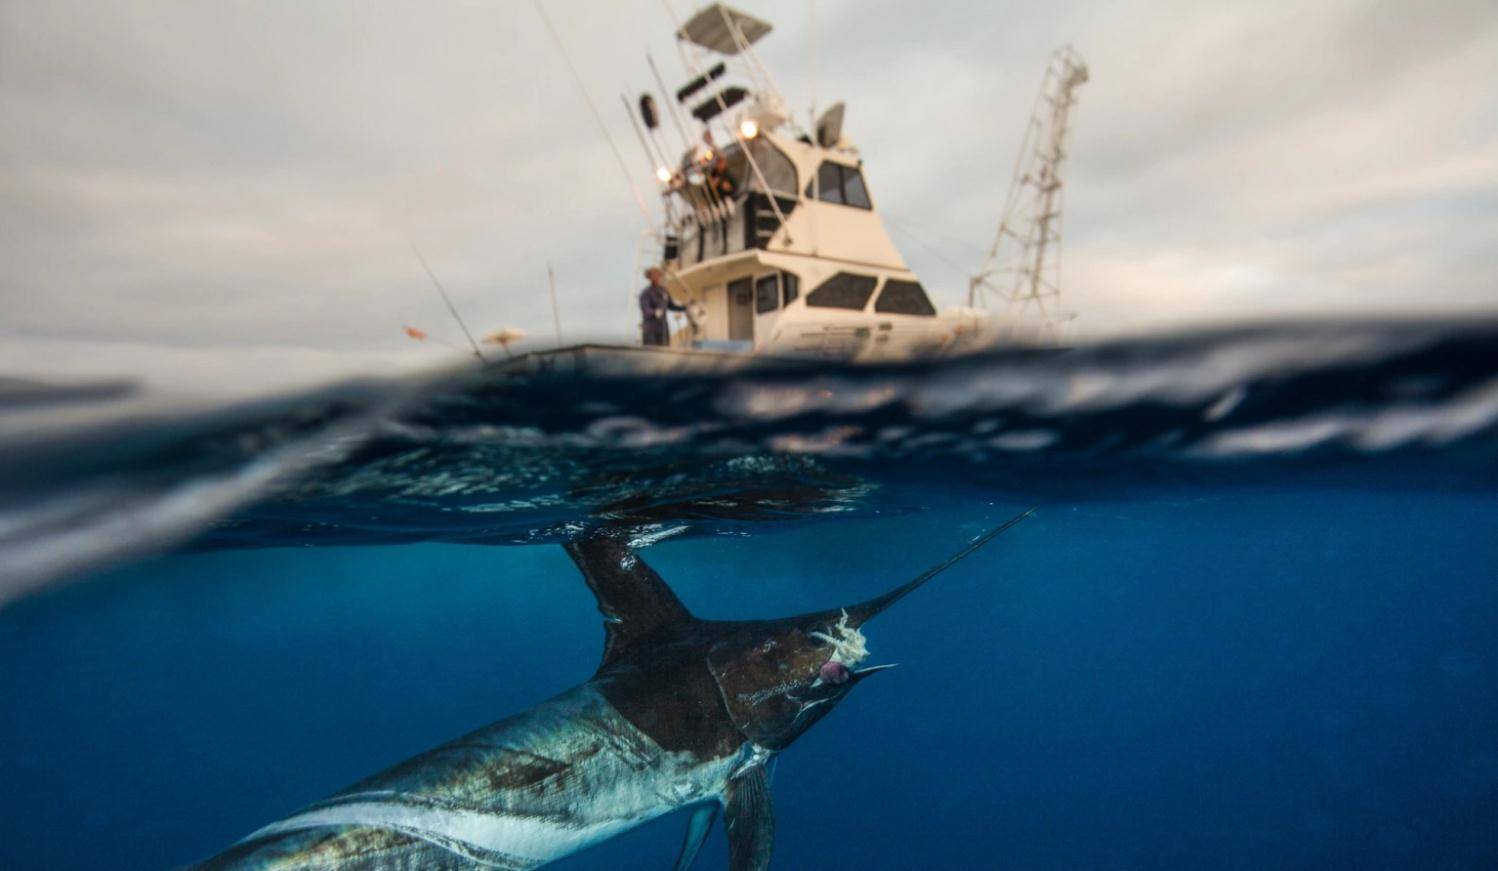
<point x="655" y="302"/>
<point x="721" y="179"/>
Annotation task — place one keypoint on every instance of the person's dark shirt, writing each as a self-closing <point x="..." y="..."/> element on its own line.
<point x="655" y="302"/>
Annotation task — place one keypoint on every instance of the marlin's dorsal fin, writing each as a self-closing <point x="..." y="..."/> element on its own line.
<point x="633" y="599"/>
<point x="749" y="817"/>
<point x="697" y="829"/>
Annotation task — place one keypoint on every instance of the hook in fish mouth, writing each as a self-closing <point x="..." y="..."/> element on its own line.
<point x="836" y="673"/>
<point x="849" y="648"/>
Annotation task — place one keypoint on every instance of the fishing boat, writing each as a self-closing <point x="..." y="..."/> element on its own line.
<point x="767" y="233"/>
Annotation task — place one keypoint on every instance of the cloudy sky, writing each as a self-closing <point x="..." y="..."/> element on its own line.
<point x="223" y="195"/>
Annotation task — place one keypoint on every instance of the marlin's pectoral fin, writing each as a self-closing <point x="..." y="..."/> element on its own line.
<point x="697" y="828"/>
<point x="633" y="599"/>
<point x="749" y="816"/>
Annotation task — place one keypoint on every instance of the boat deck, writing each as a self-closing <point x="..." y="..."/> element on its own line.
<point x="628" y="360"/>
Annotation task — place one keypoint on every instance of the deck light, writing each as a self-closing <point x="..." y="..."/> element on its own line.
<point x="748" y="128"/>
<point x="663" y="174"/>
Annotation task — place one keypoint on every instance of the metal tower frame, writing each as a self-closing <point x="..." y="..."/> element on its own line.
<point x="1027" y="271"/>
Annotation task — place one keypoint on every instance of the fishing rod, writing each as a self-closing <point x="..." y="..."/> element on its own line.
<point x="556" y="314"/>
<point x="450" y="307"/>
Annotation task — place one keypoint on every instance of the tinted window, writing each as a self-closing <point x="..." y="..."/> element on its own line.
<point x="766" y="294"/>
<point x="904" y="298"/>
<point x="840" y="184"/>
<point x="779" y="172"/>
<point x="843" y="290"/>
<point x="854" y="193"/>
<point x="791" y="285"/>
<point x="829" y="182"/>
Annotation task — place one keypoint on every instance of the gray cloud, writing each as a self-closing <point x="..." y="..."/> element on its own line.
<point x="240" y="183"/>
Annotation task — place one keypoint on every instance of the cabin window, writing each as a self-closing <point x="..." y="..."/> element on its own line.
<point x="904" y="298"/>
<point x="829" y="183"/>
<point x="843" y="290"/>
<point x="766" y="294"/>
<point x="774" y="290"/>
<point x="842" y="185"/>
<point x="854" y="193"/>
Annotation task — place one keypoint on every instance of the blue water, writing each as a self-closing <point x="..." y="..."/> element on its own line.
<point x="1253" y="622"/>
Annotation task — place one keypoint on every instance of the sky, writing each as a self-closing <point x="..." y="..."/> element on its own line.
<point x="223" y="197"/>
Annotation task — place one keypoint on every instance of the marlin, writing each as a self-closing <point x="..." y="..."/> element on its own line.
<point x="681" y="713"/>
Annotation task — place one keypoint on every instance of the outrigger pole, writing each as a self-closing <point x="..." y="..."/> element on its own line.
<point x="602" y="127"/>
<point x="671" y="105"/>
<point x="654" y="157"/>
<point x="811" y="17"/>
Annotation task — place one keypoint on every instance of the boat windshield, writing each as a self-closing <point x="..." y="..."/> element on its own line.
<point x="778" y="170"/>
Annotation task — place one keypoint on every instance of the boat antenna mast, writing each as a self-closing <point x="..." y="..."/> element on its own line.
<point x="1024" y="263"/>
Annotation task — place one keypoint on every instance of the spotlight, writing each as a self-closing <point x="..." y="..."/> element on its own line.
<point x="748" y="128"/>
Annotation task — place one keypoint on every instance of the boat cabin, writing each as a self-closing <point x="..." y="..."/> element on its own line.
<point x="771" y="236"/>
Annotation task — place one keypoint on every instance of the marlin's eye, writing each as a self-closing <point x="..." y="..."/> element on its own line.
<point x="815" y="639"/>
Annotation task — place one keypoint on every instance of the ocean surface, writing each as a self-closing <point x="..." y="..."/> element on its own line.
<point x="1252" y="623"/>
